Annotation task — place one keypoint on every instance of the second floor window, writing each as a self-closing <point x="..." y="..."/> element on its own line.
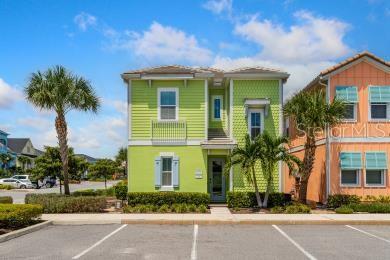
<point x="168" y="104"/>
<point x="349" y="94"/>
<point x="255" y="122"/>
<point x="379" y="102"/>
<point x="217" y="108"/>
<point x="378" y="111"/>
<point x="350" y="111"/>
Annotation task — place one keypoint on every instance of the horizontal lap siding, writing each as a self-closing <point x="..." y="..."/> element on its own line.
<point x="254" y="89"/>
<point x="144" y="106"/>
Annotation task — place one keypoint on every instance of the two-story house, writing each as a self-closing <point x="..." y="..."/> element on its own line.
<point x="351" y="158"/>
<point x="184" y="121"/>
<point x="23" y="147"/>
<point x="4" y="149"/>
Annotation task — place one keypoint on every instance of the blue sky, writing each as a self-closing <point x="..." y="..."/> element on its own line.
<point x="101" y="39"/>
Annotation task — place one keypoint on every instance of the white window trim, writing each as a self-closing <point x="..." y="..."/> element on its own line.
<point x="383" y="185"/>
<point x="159" y="90"/>
<point x="379" y="119"/>
<point x="351" y="185"/>
<point x="166" y="187"/>
<point x="213" y="98"/>
<point x="250" y="110"/>
<point x="354" y="119"/>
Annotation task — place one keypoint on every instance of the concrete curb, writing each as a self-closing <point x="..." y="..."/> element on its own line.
<point x="24" y="231"/>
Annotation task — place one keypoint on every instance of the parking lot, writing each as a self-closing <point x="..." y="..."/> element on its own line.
<point x="201" y="242"/>
<point x="18" y="195"/>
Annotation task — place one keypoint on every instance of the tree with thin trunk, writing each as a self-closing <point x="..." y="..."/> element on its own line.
<point x="61" y="91"/>
<point x="24" y="160"/>
<point x="312" y="115"/>
<point x="246" y="157"/>
<point x="271" y="151"/>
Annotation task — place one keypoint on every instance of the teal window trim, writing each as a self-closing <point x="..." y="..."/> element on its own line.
<point x="347" y="93"/>
<point x="351" y="160"/>
<point x="376" y="160"/>
<point x="379" y="94"/>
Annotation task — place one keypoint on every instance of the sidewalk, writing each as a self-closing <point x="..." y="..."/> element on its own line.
<point x="266" y="219"/>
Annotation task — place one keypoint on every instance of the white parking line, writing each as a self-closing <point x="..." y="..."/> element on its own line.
<point x="98" y="242"/>
<point x="368" y="234"/>
<point x="307" y="254"/>
<point x="193" y="250"/>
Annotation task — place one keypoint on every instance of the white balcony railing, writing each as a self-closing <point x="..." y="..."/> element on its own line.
<point x="168" y="131"/>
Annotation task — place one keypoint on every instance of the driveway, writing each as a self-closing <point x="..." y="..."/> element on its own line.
<point x="201" y="242"/>
<point x="19" y="194"/>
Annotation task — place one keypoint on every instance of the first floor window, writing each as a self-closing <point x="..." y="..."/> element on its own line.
<point x="168" y="104"/>
<point x="349" y="177"/>
<point x="166" y="174"/>
<point x="350" y="111"/>
<point x="378" y="110"/>
<point x="255" y="123"/>
<point x="375" y="177"/>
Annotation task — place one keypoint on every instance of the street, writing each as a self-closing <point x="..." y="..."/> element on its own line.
<point x="201" y="242"/>
<point x="18" y="195"/>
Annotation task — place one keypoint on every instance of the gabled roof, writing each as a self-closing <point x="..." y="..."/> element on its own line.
<point x="166" y="69"/>
<point x="352" y="59"/>
<point x="341" y="65"/>
<point x="3" y="133"/>
<point x="257" y="69"/>
<point x="86" y="157"/>
<point x="17" y="144"/>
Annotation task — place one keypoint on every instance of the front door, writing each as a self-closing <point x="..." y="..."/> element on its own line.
<point x="217" y="179"/>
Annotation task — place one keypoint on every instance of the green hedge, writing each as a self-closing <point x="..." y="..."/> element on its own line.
<point x="121" y="191"/>
<point x="56" y="203"/>
<point x="6" y="200"/>
<point x="291" y="209"/>
<point x="6" y="187"/>
<point x="175" y="208"/>
<point x="240" y="199"/>
<point x="168" y="198"/>
<point x="338" y="200"/>
<point x="18" y="215"/>
<point x="98" y="192"/>
<point x="375" y="207"/>
<point x="344" y="210"/>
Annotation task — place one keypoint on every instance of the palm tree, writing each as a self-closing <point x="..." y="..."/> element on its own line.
<point x="311" y="113"/>
<point x="24" y="160"/>
<point x="59" y="90"/>
<point x="246" y="157"/>
<point x="271" y="151"/>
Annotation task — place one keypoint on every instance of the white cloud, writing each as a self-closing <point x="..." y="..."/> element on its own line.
<point x="310" y="39"/>
<point x="38" y="123"/>
<point x="84" y="20"/>
<point x="8" y="95"/>
<point x="219" y="6"/>
<point x="160" y="44"/>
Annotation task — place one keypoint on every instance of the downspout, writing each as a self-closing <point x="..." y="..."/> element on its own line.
<point x="327" y="140"/>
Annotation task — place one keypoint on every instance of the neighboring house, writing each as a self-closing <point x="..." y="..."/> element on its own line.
<point x="351" y="158"/>
<point x="89" y="159"/>
<point x="184" y="121"/>
<point x="5" y="150"/>
<point x="23" y="147"/>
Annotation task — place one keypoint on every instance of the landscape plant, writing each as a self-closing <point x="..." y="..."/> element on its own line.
<point x="103" y="168"/>
<point x="18" y="215"/>
<point x="61" y="91"/>
<point x="313" y="115"/>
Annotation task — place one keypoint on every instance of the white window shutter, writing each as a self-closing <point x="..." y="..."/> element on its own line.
<point x="175" y="171"/>
<point x="157" y="171"/>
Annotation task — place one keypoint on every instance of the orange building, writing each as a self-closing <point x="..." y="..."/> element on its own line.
<point x="351" y="158"/>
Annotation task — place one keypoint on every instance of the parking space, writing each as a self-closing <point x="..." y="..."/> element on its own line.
<point x="201" y="242"/>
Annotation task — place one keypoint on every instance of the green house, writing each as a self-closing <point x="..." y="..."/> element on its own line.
<point x="184" y="121"/>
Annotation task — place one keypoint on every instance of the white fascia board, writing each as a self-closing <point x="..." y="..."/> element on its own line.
<point x="167" y="76"/>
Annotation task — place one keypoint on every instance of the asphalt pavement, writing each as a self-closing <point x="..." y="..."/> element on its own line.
<point x="18" y="195"/>
<point x="214" y="242"/>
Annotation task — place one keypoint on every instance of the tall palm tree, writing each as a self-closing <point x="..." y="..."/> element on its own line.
<point x="311" y="113"/>
<point x="59" y="90"/>
<point x="246" y="157"/>
<point x="271" y="151"/>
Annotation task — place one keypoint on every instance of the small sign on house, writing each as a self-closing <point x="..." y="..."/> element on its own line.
<point x="198" y="174"/>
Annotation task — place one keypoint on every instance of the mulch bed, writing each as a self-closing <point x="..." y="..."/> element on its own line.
<point x="249" y="211"/>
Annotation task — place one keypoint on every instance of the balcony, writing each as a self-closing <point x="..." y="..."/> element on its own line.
<point x="168" y="131"/>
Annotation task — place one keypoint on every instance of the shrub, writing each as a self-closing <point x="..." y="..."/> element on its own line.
<point x="277" y="210"/>
<point x="297" y="209"/>
<point x="240" y="199"/>
<point x="6" y="200"/>
<point x="57" y="203"/>
<point x="164" y="209"/>
<point x="381" y="199"/>
<point x="6" y="187"/>
<point x="18" y="215"/>
<point x="98" y="192"/>
<point x="338" y="200"/>
<point x="344" y="210"/>
<point x="192" y="208"/>
<point x="375" y="207"/>
<point x="202" y="209"/>
<point x="120" y="191"/>
<point x="168" y="198"/>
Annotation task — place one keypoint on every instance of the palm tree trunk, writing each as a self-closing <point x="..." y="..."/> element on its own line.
<point x="308" y="161"/>
<point x="62" y="133"/>
<point x="259" y="203"/>
<point x="267" y="191"/>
